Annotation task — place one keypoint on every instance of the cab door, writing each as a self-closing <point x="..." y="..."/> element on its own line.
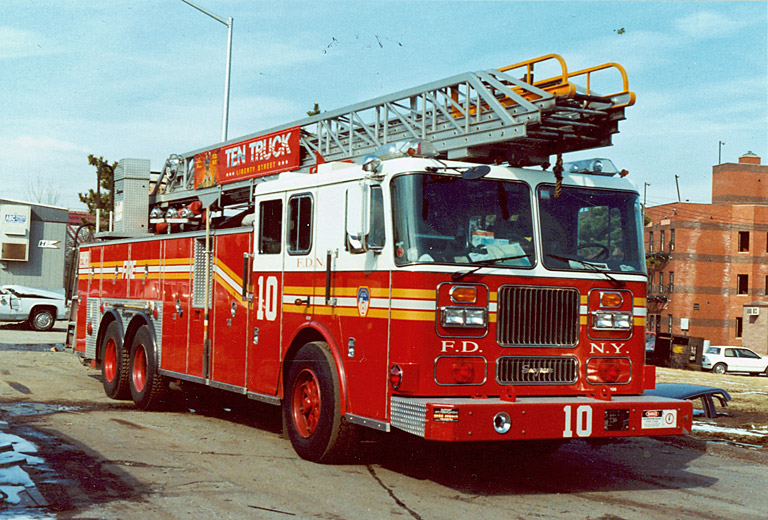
<point x="266" y="288"/>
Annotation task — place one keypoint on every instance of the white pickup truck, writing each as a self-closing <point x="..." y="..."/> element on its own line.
<point x="38" y="307"/>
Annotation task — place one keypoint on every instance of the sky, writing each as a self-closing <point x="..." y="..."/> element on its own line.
<point x="145" y="79"/>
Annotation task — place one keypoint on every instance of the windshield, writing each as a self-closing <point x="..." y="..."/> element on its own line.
<point x="449" y="220"/>
<point x="591" y="229"/>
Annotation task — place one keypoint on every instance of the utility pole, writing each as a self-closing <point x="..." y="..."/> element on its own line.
<point x="678" y="188"/>
<point x="645" y="186"/>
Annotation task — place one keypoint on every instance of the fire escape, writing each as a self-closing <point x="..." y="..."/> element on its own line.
<point x="658" y="292"/>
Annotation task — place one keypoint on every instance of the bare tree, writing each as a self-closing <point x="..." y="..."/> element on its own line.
<point x="37" y="189"/>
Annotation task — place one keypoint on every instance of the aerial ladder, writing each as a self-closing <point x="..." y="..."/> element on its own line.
<point x="497" y="116"/>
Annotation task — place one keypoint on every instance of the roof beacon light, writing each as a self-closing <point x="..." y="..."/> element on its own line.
<point x="604" y="167"/>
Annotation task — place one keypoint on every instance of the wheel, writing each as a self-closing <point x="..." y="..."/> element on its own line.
<point x="720" y="368"/>
<point x="148" y="387"/>
<point x="114" y="364"/>
<point x="42" y="319"/>
<point x="312" y="407"/>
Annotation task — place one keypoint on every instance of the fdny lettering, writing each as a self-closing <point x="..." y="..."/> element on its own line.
<point x="465" y="347"/>
<point x="605" y="348"/>
<point x="128" y="267"/>
<point x="307" y="262"/>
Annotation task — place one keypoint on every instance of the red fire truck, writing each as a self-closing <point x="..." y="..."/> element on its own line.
<point x="392" y="264"/>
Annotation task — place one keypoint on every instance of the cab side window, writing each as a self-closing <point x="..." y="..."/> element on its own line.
<point x="270" y="227"/>
<point x="300" y="224"/>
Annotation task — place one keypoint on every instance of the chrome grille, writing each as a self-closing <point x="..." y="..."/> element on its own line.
<point x="537" y="316"/>
<point x="535" y="370"/>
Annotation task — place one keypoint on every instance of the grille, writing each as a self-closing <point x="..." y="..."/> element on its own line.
<point x="537" y="316"/>
<point x="512" y="370"/>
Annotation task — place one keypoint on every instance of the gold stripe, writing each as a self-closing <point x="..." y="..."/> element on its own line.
<point x="303" y="291"/>
<point x="420" y="294"/>
<point x="639" y="321"/>
<point x="584" y="299"/>
<point x="582" y="320"/>
<point x="413" y="315"/>
<point x="376" y="292"/>
<point x="177" y="276"/>
<point x="640" y="302"/>
<point x="224" y="267"/>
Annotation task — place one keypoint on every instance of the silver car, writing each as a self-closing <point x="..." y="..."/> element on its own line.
<point x="38" y="307"/>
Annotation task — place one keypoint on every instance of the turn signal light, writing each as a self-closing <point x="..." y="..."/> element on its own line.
<point x="611" y="300"/>
<point x="608" y="370"/>
<point x="463" y="294"/>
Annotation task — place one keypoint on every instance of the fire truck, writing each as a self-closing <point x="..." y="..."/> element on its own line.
<point x="412" y="262"/>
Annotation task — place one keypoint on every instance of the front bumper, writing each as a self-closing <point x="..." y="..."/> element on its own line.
<point x="531" y="418"/>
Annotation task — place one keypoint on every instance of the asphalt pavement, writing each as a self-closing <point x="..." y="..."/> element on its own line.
<point x="17" y="336"/>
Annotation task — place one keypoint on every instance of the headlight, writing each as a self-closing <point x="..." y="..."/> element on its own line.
<point x="472" y="317"/>
<point x="605" y="320"/>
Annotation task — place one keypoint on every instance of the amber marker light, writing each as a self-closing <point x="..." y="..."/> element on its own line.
<point x="611" y="300"/>
<point x="463" y="294"/>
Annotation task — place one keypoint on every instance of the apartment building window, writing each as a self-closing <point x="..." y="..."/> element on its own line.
<point x="661" y="282"/>
<point x="669" y="324"/>
<point x="739" y="326"/>
<point x="766" y="285"/>
<point x="743" y="241"/>
<point x="742" y="280"/>
<point x="650" y="242"/>
<point x="650" y="324"/>
<point x="671" y="240"/>
<point x="671" y="281"/>
<point x="661" y="242"/>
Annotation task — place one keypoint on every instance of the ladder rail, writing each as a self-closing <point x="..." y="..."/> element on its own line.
<point x="467" y="115"/>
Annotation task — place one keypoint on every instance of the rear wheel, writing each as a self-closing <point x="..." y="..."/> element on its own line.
<point x="312" y="407"/>
<point x="148" y="387"/>
<point x="114" y="364"/>
<point x="720" y="368"/>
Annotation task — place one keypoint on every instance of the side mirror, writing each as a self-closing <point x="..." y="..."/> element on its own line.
<point x="354" y="219"/>
<point x="365" y="218"/>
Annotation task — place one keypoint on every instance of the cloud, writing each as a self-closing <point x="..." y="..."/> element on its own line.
<point x="20" y="43"/>
<point x="708" y="24"/>
<point x="31" y="144"/>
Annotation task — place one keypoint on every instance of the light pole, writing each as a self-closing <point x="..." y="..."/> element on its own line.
<point x="229" y="22"/>
<point x="719" y="151"/>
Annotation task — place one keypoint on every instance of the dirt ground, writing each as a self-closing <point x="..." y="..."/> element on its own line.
<point x="747" y="410"/>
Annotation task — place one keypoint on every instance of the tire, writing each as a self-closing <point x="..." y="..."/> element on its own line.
<point x="41" y="319"/>
<point x="720" y="368"/>
<point x="115" y="364"/>
<point x="312" y="407"/>
<point x="148" y="387"/>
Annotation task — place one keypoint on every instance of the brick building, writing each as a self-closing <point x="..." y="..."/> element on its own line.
<point x="707" y="262"/>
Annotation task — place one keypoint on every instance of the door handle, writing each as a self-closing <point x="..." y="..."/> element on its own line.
<point x="302" y="301"/>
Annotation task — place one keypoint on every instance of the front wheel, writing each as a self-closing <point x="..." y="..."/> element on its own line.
<point x="42" y="319"/>
<point x="720" y="368"/>
<point x="312" y="406"/>
<point x="148" y="387"/>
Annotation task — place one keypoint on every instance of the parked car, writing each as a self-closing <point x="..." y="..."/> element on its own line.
<point x="37" y="307"/>
<point x="722" y="359"/>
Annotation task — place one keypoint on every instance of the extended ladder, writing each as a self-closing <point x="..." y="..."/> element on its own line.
<point x="501" y="116"/>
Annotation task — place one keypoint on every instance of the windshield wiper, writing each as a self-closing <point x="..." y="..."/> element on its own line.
<point x="590" y="266"/>
<point x="458" y="275"/>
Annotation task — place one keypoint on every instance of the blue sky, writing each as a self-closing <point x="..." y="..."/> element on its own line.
<point x="146" y="79"/>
